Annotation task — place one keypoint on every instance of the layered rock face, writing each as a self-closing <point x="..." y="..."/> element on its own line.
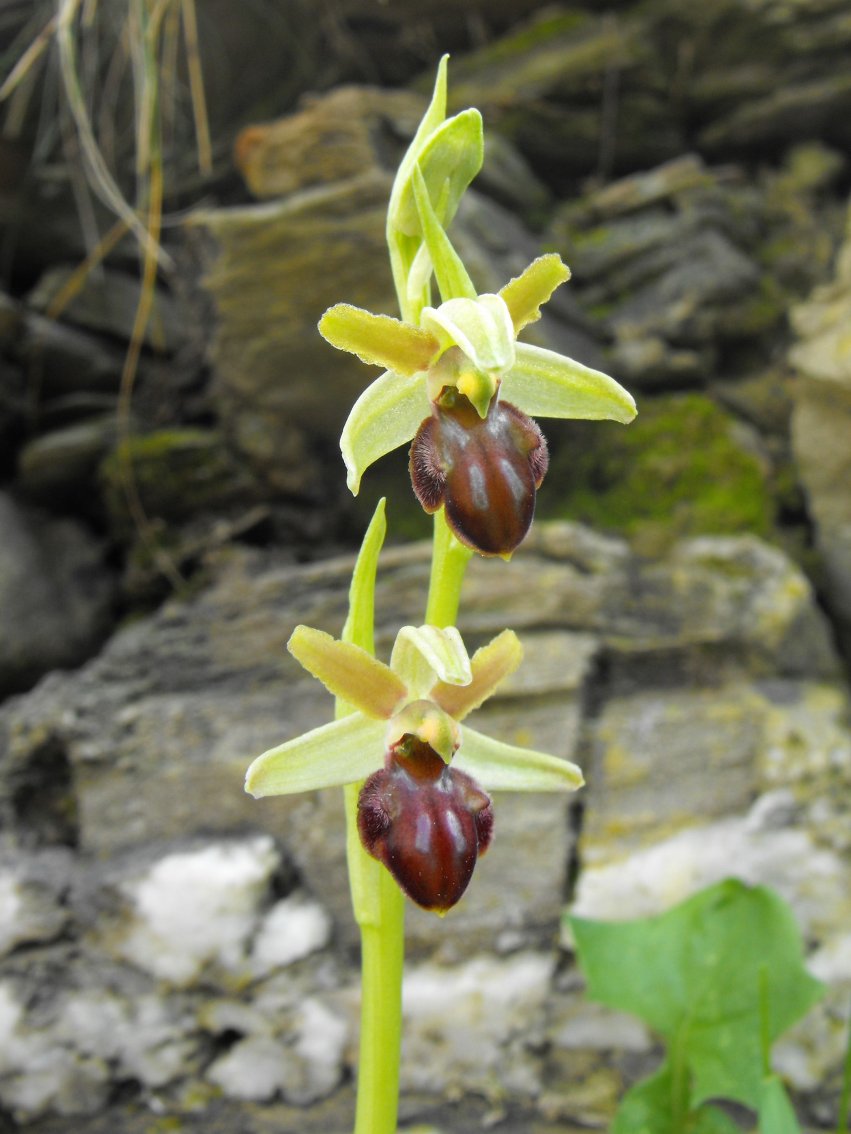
<point x="199" y="943"/>
<point x="175" y="954"/>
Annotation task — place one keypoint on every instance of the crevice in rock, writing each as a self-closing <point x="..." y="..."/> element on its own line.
<point x="595" y="692"/>
<point x="221" y="1042"/>
<point x="575" y="816"/>
<point x="7" y="1123"/>
<point x="43" y="797"/>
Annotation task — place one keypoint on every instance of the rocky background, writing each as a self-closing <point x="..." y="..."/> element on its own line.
<point x="178" y="957"/>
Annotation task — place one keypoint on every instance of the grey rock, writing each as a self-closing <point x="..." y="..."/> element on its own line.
<point x="55" y="595"/>
<point x="33" y="889"/>
<point x="271" y="369"/>
<point x="68" y="359"/>
<point x="330" y="139"/>
<point x="59" y="467"/>
<point x="816" y="107"/>
<point x="665" y="261"/>
<point x="684" y="686"/>
<point x="542" y="86"/>
<point x="107" y="301"/>
<point x="821" y="420"/>
<point x="13" y="408"/>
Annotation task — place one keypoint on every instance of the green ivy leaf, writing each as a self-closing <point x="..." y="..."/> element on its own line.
<point x="658" y="1106"/>
<point x="775" y="1111"/>
<point x="695" y="975"/>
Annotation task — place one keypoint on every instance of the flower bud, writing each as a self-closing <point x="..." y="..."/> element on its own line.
<point x="426" y="822"/>
<point x="484" y="471"/>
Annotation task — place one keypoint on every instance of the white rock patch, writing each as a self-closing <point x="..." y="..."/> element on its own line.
<point x="10" y="906"/>
<point x="40" y="1074"/>
<point x="252" y="1070"/>
<point x="199" y="907"/>
<point x="292" y="929"/>
<point x="321" y="1044"/>
<point x="752" y="848"/>
<point x="461" y="1020"/>
<point x="301" y="1068"/>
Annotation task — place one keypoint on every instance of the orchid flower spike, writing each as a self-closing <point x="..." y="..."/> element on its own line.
<point x="424" y="811"/>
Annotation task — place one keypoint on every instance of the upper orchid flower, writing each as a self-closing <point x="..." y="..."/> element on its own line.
<point x="462" y="388"/>
<point x="422" y="811"/>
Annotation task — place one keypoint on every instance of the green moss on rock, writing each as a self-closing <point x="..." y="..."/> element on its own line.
<point x="676" y="471"/>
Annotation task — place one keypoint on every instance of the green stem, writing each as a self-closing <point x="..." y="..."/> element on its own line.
<point x="376" y="899"/>
<point x="449" y="561"/>
<point x="380" y="913"/>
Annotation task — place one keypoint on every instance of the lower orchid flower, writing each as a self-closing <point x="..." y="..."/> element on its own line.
<point x="423" y="811"/>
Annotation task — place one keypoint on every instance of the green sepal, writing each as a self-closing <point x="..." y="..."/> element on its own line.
<point x="448" y="162"/>
<point x="378" y="340"/>
<point x="386" y="415"/>
<point x="414" y="294"/>
<point x="525" y="294"/>
<point x="505" y="767"/>
<point x="545" y="384"/>
<point x="449" y="271"/>
<point x="431" y="120"/>
<point x="342" y="752"/>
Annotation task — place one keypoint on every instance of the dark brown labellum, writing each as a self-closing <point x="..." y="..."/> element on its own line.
<point x="426" y="822"/>
<point x="484" y="471"/>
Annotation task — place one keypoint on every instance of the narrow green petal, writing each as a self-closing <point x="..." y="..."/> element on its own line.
<point x="525" y="294"/>
<point x="378" y="339"/>
<point x="386" y="415"/>
<point x="504" y="767"/>
<point x="341" y="752"/>
<point x="545" y="384"/>
<point x="489" y="665"/>
<point x="348" y="672"/>
<point x="449" y="270"/>
<point x="481" y="327"/>
<point x="422" y="653"/>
